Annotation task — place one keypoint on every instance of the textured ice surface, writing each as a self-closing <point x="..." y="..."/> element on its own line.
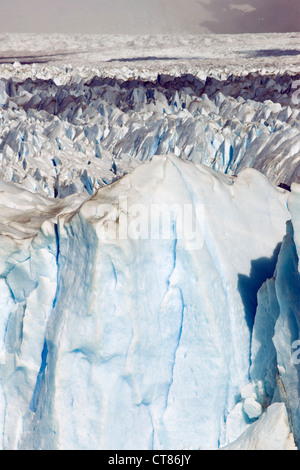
<point x="60" y="139"/>
<point x="124" y="324"/>
<point x="271" y="432"/>
<point x="146" y="55"/>
<point x="103" y="338"/>
<point x="79" y="112"/>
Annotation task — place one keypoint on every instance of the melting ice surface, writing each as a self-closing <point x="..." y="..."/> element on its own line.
<point x="113" y="336"/>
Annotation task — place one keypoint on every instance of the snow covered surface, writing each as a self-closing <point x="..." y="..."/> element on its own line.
<point x="161" y="53"/>
<point x="160" y="311"/>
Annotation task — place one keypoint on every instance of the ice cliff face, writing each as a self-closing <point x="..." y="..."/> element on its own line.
<point x="112" y="338"/>
<point x="62" y="137"/>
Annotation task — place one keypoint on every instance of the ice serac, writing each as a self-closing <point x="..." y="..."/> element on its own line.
<point x="270" y="432"/>
<point x="111" y="341"/>
<point x="62" y="138"/>
<point x="275" y="340"/>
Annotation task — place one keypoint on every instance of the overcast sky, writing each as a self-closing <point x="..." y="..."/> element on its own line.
<point x="149" y="16"/>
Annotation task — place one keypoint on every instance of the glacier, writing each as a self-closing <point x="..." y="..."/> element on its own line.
<point x="149" y="244"/>
<point x="107" y="343"/>
<point x="60" y="139"/>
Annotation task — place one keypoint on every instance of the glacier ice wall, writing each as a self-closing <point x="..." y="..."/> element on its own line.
<point x="28" y="266"/>
<point x="275" y="345"/>
<point x="111" y="341"/>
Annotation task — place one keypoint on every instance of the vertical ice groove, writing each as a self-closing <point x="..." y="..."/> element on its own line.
<point x="113" y="270"/>
<point x="174" y="252"/>
<point x="176" y="349"/>
<point x="10" y="290"/>
<point x="35" y="397"/>
<point x="57" y="243"/>
<point x="169" y="285"/>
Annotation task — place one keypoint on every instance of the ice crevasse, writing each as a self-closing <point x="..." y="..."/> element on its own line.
<point x="151" y="342"/>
